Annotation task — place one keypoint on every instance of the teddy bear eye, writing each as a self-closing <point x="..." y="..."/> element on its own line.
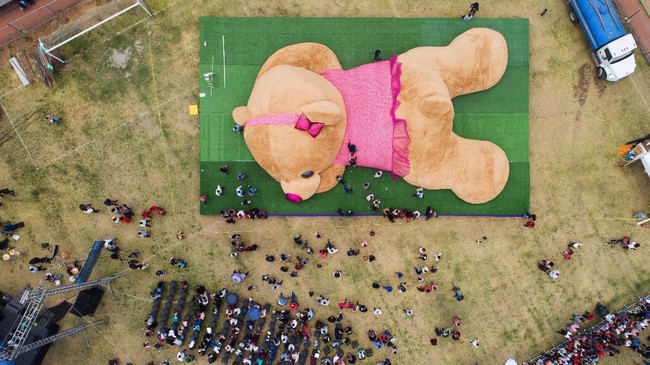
<point x="307" y="174"/>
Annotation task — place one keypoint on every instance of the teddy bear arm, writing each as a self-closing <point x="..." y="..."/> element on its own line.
<point x="311" y="56"/>
<point x="323" y="111"/>
<point x="241" y="115"/>
<point x="435" y="100"/>
<point x="328" y="177"/>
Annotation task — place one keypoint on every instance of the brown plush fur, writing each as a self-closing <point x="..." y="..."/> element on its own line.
<point x="289" y="82"/>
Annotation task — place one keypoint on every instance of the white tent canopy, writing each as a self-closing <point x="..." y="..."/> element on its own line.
<point x="511" y="361"/>
<point x="645" y="160"/>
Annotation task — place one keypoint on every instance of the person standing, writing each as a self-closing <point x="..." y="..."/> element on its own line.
<point x="204" y="199"/>
<point x="473" y="8"/>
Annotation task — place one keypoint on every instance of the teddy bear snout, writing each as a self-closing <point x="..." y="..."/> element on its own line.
<point x="294" y="198"/>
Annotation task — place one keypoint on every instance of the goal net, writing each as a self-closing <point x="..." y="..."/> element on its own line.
<point x="92" y="19"/>
<point x="45" y="52"/>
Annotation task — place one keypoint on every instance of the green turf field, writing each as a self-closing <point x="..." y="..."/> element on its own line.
<point x="233" y="50"/>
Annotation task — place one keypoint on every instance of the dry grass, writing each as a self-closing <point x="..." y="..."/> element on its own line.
<point x="126" y="135"/>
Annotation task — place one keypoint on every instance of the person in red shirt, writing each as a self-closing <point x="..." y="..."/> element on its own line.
<point x="567" y="254"/>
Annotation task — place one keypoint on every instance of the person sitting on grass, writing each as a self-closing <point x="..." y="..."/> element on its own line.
<point x="87" y="208"/>
<point x="457" y="294"/>
<point x="545" y="265"/>
<point x="181" y="264"/>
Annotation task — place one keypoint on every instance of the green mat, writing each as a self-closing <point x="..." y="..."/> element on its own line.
<point x="234" y="49"/>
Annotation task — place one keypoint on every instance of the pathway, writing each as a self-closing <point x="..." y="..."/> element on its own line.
<point x="635" y="13"/>
<point x="15" y="23"/>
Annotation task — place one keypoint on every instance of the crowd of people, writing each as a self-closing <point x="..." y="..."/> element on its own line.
<point x="548" y="266"/>
<point x="292" y="335"/>
<point x="625" y="242"/>
<point x="232" y="215"/>
<point x="620" y="329"/>
<point x="245" y="339"/>
<point x="392" y="214"/>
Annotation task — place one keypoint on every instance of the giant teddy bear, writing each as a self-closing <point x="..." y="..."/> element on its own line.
<point x="307" y="118"/>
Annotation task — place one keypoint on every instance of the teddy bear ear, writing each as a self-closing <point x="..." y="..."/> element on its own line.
<point x="325" y="112"/>
<point x="311" y="56"/>
<point x="241" y="115"/>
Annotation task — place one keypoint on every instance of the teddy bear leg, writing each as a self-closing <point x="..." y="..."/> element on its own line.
<point x="476" y="171"/>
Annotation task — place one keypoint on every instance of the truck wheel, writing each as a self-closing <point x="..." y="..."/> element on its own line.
<point x="600" y="72"/>
<point x="573" y="16"/>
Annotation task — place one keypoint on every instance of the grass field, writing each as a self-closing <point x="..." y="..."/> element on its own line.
<point x="235" y="48"/>
<point x="126" y="135"/>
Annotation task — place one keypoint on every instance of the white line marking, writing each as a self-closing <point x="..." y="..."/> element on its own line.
<point x="640" y="94"/>
<point x="211" y="79"/>
<point x="223" y="53"/>
<point x="13" y="127"/>
<point x="67" y="153"/>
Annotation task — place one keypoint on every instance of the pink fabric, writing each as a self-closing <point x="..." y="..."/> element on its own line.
<point x="370" y="96"/>
<point x="275" y="119"/>
<point x="304" y="124"/>
<point x="401" y="139"/>
<point x="299" y="121"/>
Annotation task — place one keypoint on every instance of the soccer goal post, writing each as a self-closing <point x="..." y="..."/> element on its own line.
<point x="93" y="19"/>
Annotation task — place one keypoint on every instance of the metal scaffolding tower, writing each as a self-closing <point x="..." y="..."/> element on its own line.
<point x="34" y="299"/>
<point x="50" y="339"/>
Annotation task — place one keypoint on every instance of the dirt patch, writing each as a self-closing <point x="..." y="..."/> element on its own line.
<point x="186" y="124"/>
<point x="580" y="89"/>
<point x="149" y="125"/>
<point x="578" y="117"/>
<point x="601" y="85"/>
<point x="261" y="11"/>
<point x="120" y="59"/>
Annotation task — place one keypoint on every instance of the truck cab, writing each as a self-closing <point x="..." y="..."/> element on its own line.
<point x="615" y="60"/>
<point x="613" y="48"/>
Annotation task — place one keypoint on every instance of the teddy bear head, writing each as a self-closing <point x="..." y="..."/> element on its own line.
<point x="295" y="120"/>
